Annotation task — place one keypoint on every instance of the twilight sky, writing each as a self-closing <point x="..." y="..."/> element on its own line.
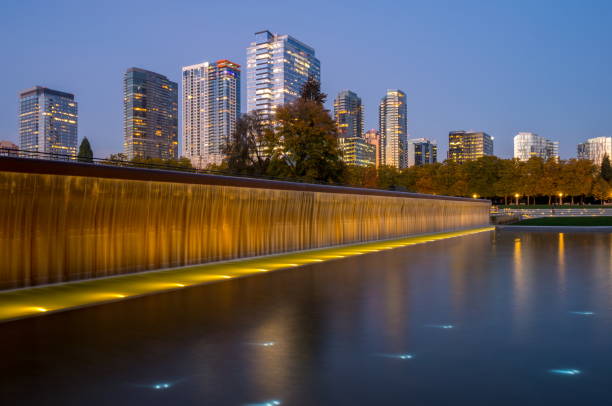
<point x="491" y="65"/>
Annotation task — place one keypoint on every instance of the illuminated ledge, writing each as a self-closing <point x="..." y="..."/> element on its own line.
<point x="36" y="301"/>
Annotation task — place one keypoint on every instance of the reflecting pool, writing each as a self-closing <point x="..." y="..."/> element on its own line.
<point x="496" y="318"/>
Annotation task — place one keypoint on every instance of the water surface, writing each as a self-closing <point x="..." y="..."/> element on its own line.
<point x="496" y="318"/>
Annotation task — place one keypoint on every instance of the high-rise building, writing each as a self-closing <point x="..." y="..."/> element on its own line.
<point x="48" y="122"/>
<point x="348" y="112"/>
<point x="467" y="145"/>
<point x="357" y="151"/>
<point x="7" y="148"/>
<point x="594" y="149"/>
<point x="421" y="151"/>
<point x="528" y="145"/>
<point x="211" y="106"/>
<point x="277" y="68"/>
<point x="372" y="137"/>
<point x="392" y="121"/>
<point x="150" y="115"/>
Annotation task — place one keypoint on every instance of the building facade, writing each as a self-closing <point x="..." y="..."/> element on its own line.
<point x="48" y="121"/>
<point x="528" y="145"/>
<point x="150" y="115"/>
<point x="392" y="119"/>
<point x="468" y="145"/>
<point x="348" y="112"/>
<point x="421" y="151"/>
<point x="594" y="149"/>
<point x="372" y="137"/>
<point x="7" y="148"/>
<point x="211" y="107"/>
<point x="277" y="68"/>
<point x="357" y="151"/>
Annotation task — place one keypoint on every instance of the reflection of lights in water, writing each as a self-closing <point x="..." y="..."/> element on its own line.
<point x="267" y="403"/>
<point x="583" y="313"/>
<point x="444" y="326"/>
<point x="565" y="371"/>
<point x="264" y="344"/>
<point x="397" y="356"/>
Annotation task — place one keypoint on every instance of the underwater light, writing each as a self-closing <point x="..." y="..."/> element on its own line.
<point x="565" y="371"/>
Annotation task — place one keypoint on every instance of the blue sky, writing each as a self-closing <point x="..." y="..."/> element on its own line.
<point x="496" y="66"/>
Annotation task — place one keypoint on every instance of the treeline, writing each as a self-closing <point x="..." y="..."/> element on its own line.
<point x="302" y="145"/>
<point x="501" y="180"/>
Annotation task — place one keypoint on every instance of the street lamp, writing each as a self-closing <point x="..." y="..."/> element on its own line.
<point x="475" y="196"/>
<point x="560" y="198"/>
<point x="516" y="196"/>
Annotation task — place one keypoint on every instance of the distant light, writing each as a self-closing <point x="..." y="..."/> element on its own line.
<point x="119" y="295"/>
<point x="583" y="313"/>
<point x="444" y="326"/>
<point x="180" y="285"/>
<point x="261" y="270"/>
<point x="40" y="309"/>
<point x="160" y="386"/>
<point x="565" y="371"/>
<point x="225" y="276"/>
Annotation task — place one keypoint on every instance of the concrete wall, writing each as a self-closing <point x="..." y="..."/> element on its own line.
<point x="64" y="221"/>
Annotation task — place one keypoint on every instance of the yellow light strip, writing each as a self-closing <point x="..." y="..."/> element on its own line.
<point x="28" y="302"/>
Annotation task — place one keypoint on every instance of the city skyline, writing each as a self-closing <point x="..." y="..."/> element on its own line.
<point x="432" y="89"/>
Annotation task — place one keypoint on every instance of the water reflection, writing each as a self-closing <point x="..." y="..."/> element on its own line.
<point x="353" y="331"/>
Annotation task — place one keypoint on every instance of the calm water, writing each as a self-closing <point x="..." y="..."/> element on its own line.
<point x="366" y="330"/>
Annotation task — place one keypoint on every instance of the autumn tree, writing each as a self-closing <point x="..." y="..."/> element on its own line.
<point x="308" y="135"/>
<point x="252" y="145"/>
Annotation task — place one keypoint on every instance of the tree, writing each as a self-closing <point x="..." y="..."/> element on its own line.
<point x="606" y="169"/>
<point x="387" y="177"/>
<point x="311" y="91"/>
<point x="309" y="141"/>
<point x="85" y="153"/>
<point x="508" y="181"/>
<point x="361" y="176"/>
<point x="548" y="184"/>
<point x="601" y="189"/>
<point x="577" y="178"/>
<point x="251" y="147"/>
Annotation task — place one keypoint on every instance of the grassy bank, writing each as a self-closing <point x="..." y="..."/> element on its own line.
<point x="567" y="221"/>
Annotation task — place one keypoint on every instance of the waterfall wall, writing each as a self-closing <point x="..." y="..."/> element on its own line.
<point x="63" y="221"/>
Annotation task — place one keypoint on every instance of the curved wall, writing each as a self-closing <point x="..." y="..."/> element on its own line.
<point x="56" y="226"/>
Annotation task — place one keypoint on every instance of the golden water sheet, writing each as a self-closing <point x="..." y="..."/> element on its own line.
<point x="43" y="300"/>
<point x="57" y="228"/>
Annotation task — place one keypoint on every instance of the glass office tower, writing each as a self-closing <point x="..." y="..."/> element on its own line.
<point x="277" y="68"/>
<point x="594" y="149"/>
<point x="392" y="120"/>
<point x="421" y="151"/>
<point x="150" y="115"/>
<point x="357" y="151"/>
<point x="48" y="122"/>
<point x="348" y="112"/>
<point x="211" y="106"/>
<point x="467" y="145"/>
<point x="372" y="137"/>
<point x="528" y="145"/>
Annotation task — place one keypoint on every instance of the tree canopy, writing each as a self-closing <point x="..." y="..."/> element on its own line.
<point x="85" y="152"/>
